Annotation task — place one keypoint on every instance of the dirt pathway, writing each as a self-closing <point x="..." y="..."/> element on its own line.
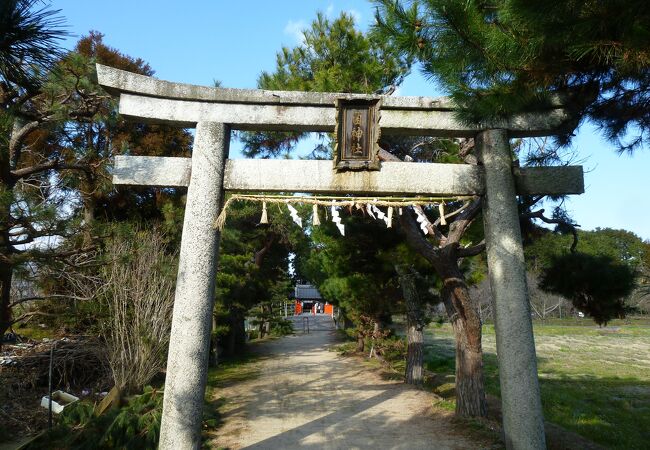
<point x="310" y="398"/>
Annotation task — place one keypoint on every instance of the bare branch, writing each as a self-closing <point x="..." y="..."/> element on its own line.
<point x="27" y="171"/>
<point x="463" y="220"/>
<point x="30" y="314"/>
<point x="539" y="214"/>
<point x="47" y="297"/>
<point x="464" y="252"/>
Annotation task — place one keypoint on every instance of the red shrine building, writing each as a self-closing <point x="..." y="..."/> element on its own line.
<point x="309" y="301"/>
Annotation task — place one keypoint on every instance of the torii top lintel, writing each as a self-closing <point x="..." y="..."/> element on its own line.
<point x="151" y="100"/>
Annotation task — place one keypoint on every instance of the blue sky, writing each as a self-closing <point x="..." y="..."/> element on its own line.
<point x="197" y="42"/>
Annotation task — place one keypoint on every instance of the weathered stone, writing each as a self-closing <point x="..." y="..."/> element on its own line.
<point x="290" y="117"/>
<point x="563" y="180"/>
<point x="523" y="421"/>
<point x="152" y="171"/>
<point x="187" y="361"/>
<point x="158" y="101"/>
<point x="118" y="81"/>
<point x="318" y="177"/>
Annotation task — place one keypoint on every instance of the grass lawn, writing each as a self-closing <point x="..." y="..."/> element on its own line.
<point x="594" y="381"/>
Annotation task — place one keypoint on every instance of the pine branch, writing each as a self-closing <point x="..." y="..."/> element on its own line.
<point x="539" y="214"/>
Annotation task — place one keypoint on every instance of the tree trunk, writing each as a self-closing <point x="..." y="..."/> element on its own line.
<point x="414" y="373"/>
<point x="6" y="270"/>
<point x="6" y="266"/>
<point x="6" y="275"/>
<point x="414" y="356"/>
<point x="361" y="342"/>
<point x="470" y="393"/>
<point x="89" y="206"/>
<point x="466" y="323"/>
<point x="214" y="345"/>
<point x="235" y="339"/>
<point x="347" y="323"/>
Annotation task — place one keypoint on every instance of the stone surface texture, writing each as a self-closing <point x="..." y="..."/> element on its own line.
<point x="159" y="101"/>
<point x="290" y="117"/>
<point x="523" y="421"/>
<point x="318" y="176"/>
<point x="192" y="317"/>
<point x="152" y="171"/>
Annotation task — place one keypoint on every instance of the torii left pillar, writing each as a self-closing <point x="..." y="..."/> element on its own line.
<point x="189" y="343"/>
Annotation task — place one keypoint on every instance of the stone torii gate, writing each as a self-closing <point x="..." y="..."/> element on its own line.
<point x="214" y="112"/>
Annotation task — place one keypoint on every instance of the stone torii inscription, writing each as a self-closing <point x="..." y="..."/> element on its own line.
<point x="214" y="112"/>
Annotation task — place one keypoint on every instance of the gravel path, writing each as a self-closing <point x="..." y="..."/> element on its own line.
<point x="310" y="398"/>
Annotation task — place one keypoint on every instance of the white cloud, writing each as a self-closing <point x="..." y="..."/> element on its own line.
<point x="295" y="29"/>
<point x="329" y="11"/>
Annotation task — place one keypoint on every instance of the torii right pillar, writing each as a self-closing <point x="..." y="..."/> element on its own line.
<point x="523" y="420"/>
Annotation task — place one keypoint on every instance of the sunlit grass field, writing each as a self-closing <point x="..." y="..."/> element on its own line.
<point x="594" y="381"/>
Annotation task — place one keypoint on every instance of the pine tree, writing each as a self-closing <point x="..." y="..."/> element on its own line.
<point x="30" y="35"/>
<point x="335" y="57"/>
<point x="253" y="261"/>
<point x="37" y="98"/>
<point x="59" y="136"/>
<point x="502" y="57"/>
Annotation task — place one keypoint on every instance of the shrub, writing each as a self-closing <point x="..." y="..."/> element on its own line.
<point x="281" y="327"/>
<point x="134" y="426"/>
<point x="139" y="293"/>
<point x="596" y="285"/>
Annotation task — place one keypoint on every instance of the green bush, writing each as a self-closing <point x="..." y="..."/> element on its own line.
<point x="253" y="334"/>
<point x="133" y="426"/>
<point x="281" y="327"/>
<point x="392" y="349"/>
<point x="596" y="285"/>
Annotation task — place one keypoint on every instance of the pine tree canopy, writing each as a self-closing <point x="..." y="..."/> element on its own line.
<point x="333" y="57"/>
<point x="501" y="57"/>
<point x="29" y="40"/>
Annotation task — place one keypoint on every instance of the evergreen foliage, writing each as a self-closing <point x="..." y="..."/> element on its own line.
<point x="503" y="57"/>
<point x="252" y="274"/>
<point x="597" y="285"/>
<point x="622" y="246"/>
<point x="358" y="273"/>
<point x="620" y="252"/>
<point x="133" y="426"/>
<point x="334" y="57"/>
<point x="58" y="140"/>
<point x="29" y="41"/>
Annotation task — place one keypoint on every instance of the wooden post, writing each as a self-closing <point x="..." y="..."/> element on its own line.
<point x="187" y="362"/>
<point x="523" y="421"/>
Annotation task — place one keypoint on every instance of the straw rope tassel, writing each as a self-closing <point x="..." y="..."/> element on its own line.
<point x="370" y="205"/>
<point x="441" y="210"/>
<point x="265" y="217"/>
<point x="315" y="219"/>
